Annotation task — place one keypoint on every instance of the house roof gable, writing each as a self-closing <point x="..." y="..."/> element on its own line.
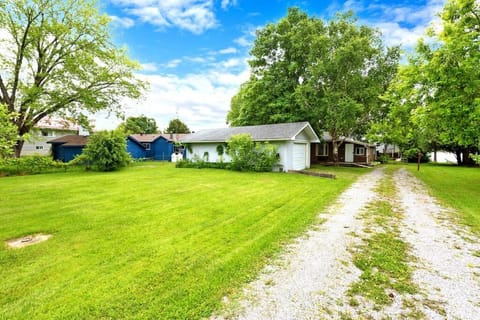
<point x="70" y="140"/>
<point x="269" y="132"/>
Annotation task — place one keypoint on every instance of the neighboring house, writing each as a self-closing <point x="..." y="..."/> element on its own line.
<point x="390" y="150"/>
<point x="350" y="151"/>
<point x="45" y="130"/>
<point x="67" y="147"/>
<point x="292" y="139"/>
<point x="148" y="146"/>
<point x="154" y="146"/>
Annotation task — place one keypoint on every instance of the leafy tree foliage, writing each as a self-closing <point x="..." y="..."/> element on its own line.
<point x="247" y="155"/>
<point x="439" y="93"/>
<point x="140" y="124"/>
<point x="8" y="133"/>
<point x="177" y="126"/>
<point x="331" y="74"/>
<point x="59" y="60"/>
<point x="105" y="151"/>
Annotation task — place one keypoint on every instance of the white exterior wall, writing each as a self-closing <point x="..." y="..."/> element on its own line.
<point x="37" y="144"/>
<point x="199" y="149"/>
<point x="285" y="150"/>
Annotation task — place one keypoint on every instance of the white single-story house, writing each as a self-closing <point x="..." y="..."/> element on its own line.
<point x="292" y="139"/>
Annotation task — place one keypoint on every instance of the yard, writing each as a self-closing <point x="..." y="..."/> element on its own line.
<point x="457" y="187"/>
<point x="150" y="241"/>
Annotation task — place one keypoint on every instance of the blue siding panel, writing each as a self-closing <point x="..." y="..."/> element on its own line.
<point x="135" y="150"/>
<point x="161" y="149"/>
<point x="71" y="152"/>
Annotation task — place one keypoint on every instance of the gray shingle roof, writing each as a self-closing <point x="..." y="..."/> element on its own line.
<point x="269" y="132"/>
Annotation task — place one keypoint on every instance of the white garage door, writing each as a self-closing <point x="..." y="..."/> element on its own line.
<point x="299" y="156"/>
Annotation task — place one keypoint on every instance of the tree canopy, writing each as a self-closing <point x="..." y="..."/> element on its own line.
<point x="177" y="126"/>
<point x="58" y="59"/>
<point x="141" y="124"/>
<point x="438" y="92"/>
<point x="331" y="74"/>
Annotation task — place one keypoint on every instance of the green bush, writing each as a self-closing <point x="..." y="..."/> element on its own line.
<point x="30" y="165"/>
<point x="105" y="151"/>
<point x="475" y="158"/>
<point x="200" y="164"/>
<point x="247" y="155"/>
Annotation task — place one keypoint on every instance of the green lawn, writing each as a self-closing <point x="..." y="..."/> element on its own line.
<point x="457" y="187"/>
<point x="150" y="241"/>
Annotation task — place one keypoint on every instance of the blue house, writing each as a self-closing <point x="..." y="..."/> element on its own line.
<point x="140" y="146"/>
<point x="67" y="147"/>
<point x="154" y="146"/>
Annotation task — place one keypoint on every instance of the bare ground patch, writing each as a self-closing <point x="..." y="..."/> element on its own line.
<point x="27" y="240"/>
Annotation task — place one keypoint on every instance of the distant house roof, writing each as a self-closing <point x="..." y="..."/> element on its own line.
<point x="56" y="124"/>
<point x="327" y="137"/>
<point x="269" y="132"/>
<point x="145" y="137"/>
<point x="175" y="136"/>
<point x="70" y="140"/>
<point x="149" y="138"/>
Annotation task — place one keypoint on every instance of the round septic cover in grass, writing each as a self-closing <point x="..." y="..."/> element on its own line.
<point x="27" y="240"/>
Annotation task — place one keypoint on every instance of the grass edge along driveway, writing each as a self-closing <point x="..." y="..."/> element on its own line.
<point x="456" y="187"/>
<point x="150" y="241"/>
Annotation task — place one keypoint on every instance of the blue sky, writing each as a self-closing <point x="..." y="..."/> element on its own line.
<point x="194" y="52"/>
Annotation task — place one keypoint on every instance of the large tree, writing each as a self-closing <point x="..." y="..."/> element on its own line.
<point x="331" y="74"/>
<point x="440" y="93"/>
<point x="347" y="72"/>
<point x="57" y="58"/>
<point x="177" y="126"/>
<point x="141" y="124"/>
<point x="278" y="63"/>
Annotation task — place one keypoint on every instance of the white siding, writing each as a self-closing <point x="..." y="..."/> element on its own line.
<point x="348" y="152"/>
<point x="289" y="159"/>
<point x="299" y="156"/>
<point x="199" y="149"/>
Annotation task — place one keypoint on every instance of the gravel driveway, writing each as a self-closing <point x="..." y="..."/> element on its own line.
<point x="311" y="279"/>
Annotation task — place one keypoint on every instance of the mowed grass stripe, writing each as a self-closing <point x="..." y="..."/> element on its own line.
<point x="150" y="241"/>
<point x="456" y="187"/>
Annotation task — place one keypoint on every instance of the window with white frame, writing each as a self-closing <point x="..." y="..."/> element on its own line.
<point x="146" y="145"/>
<point x="322" y="149"/>
<point x="359" y="151"/>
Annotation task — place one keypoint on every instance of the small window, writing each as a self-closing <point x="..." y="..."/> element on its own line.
<point x="45" y="133"/>
<point x="146" y="145"/>
<point x="322" y="149"/>
<point x="39" y="147"/>
<point x="359" y="151"/>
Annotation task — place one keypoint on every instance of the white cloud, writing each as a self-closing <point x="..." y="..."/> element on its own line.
<point x="195" y="16"/>
<point x="248" y="36"/>
<point x="400" y="24"/>
<point x="229" y="50"/>
<point x="122" y="22"/>
<point x="227" y="3"/>
<point x="173" y="63"/>
<point x="201" y="99"/>
<point x="149" y="67"/>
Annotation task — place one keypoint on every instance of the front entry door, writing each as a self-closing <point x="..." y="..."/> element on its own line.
<point x="349" y="152"/>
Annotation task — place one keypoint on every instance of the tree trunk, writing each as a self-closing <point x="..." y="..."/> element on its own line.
<point x="458" y="155"/>
<point x="335" y="151"/>
<point x="467" y="161"/>
<point x="18" y="148"/>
